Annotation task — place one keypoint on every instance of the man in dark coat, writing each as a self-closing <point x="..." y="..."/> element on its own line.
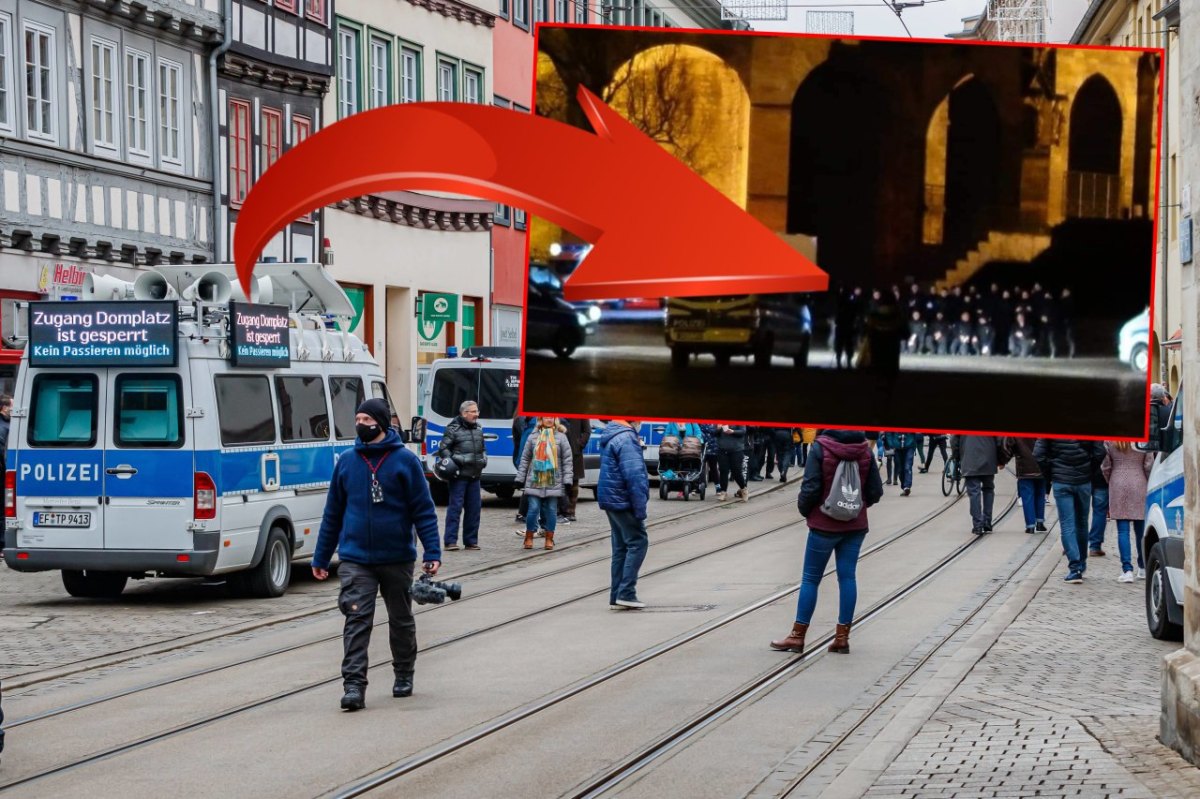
<point x="378" y="498"/>
<point x="463" y="443"/>
<point x="731" y="452"/>
<point x="623" y="493"/>
<point x="579" y="433"/>
<point x="1069" y="465"/>
<point x="979" y="458"/>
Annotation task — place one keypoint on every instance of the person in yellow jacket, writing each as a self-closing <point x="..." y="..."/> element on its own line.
<point x="807" y="436"/>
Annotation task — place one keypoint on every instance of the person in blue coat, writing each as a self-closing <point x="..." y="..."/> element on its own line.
<point x="623" y="493"/>
<point x="378" y="497"/>
<point x="904" y="445"/>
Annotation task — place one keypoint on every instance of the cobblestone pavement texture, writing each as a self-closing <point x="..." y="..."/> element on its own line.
<point x="1065" y="703"/>
<point x="42" y="627"/>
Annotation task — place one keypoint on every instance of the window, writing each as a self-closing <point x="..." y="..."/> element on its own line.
<point x="519" y="213"/>
<point x="380" y="72"/>
<point x="39" y="81"/>
<point x="451" y="388"/>
<point x="303" y="414"/>
<point x="286" y="5"/>
<point x="581" y="11"/>
<point x="498" y="390"/>
<point x="560" y="10"/>
<point x="104" y="93"/>
<point x="315" y="9"/>
<point x="501" y="215"/>
<point x="301" y="128"/>
<point x="170" y="111"/>
<point x="244" y="408"/>
<point x="504" y="8"/>
<point x="63" y="411"/>
<point x="410" y="75"/>
<point x="347" y="72"/>
<point x="379" y="391"/>
<point x="239" y="151"/>
<point x="272" y="137"/>
<point x="347" y="395"/>
<point x="539" y="10"/>
<point x="6" y="80"/>
<point x="472" y="86"/>
<point x="447" y="81"/>
<point x="137" y="102"/>
<point x="148" y="412"/>
<point x="521" y="12"/>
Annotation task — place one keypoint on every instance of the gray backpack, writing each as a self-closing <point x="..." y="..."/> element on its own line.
<point x="845" y="500"/>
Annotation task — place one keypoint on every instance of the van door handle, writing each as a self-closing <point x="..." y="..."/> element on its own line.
<point x="123" y="472"/>
<point x="491" y="437"/>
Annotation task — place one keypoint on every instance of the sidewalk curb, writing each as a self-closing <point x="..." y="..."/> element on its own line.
<point x="870" y="764"/>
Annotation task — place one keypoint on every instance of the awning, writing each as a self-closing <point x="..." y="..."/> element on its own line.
<point x="1176" y="340"/>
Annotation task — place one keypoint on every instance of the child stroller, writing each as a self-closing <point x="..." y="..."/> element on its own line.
<point x="681" y="467"/>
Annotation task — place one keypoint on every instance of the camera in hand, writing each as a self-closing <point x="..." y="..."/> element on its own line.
<point x="427" y="590"/>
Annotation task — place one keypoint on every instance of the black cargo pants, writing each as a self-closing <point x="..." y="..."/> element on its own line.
<point x="360" y="584"/>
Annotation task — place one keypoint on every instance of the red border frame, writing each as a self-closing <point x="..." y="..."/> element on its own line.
<point x="524" y="411"/>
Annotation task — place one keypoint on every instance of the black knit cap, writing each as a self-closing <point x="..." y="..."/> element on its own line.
<point x="378" y="410"/>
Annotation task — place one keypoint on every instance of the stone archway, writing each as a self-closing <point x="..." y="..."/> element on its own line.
<point x="1145" y="136"/>
<point x="835" y="175"/>
<point x="972" y="163"/>
<point x="1094" y="152"/>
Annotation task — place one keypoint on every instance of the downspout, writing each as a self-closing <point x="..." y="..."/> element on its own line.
<point x="1164" y="371"/>
<point x="215" y="147"/>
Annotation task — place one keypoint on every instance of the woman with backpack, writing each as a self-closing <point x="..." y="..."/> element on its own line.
<point x="840" y="482"/>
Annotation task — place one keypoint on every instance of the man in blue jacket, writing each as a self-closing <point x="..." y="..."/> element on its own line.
<point x="905" y="447"/>
<point x="377" y="498"/>
<point x="623" y="491"/>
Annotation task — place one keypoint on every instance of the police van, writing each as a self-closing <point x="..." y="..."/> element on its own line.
<point x="1162" y="545"/>
<point x="173" y="427"/>
<point x="491" y="377"/>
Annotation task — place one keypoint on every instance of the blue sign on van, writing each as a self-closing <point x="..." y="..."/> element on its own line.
<point x="260" y="336"/>
<point x="103" y="333"/>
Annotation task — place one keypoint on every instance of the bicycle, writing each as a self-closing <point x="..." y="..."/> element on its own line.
<point x="952" y="479"/>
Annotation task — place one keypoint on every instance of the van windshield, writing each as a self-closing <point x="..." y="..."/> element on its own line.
<point x="495" y="390"/>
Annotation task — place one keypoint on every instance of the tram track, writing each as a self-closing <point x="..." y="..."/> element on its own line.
<point x="84" y="665"/>
<point x="620" y="668"/>
<point x="421" y="610"/>
<point x="416" y="762"/>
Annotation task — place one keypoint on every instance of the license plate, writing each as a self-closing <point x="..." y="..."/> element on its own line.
<point x="689" y="335"/>
<point x="61" y="519"/>
<point x="689" y="323"/>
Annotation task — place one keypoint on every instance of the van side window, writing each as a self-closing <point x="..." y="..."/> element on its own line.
<point x="499" y="390"/>
<point x="452" y="387"/>
<point x="244" y="406"/>
<point x="303" y="414"/>
<point x="148" y="412"/>
<point x="62" y="412"/>
<point x="379" y="391"/>
<point x="347" y="394"/>
<point x="1172" y="434"/>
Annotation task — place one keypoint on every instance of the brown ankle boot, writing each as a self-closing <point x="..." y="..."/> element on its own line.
<point x="794" y="641"/>
<point x="549" y="540"/>
<point x="528" y="540"/>
<point x="841" y="640"/>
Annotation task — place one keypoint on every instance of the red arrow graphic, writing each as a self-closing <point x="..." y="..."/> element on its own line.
<point x="658" y="228"/>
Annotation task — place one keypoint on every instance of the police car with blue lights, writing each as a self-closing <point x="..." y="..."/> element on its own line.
<point x="175" y="427"/>
<point x="1162" y="546"/>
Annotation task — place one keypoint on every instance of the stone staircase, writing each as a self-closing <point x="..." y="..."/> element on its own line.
<point x="998" y="246"/>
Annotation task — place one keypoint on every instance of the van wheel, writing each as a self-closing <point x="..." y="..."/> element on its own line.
<point x="722" y="359"/>
<point x="270" y="578"/>
<point x="1139" y="359"/>
<point x="505" y="493"/>
<point x="93" y="585"/>
<point x="564" y="346"/>
<point x="1158" y="594"/>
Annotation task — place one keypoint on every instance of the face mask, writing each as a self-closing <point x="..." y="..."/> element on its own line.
<point x="367" y="432"/>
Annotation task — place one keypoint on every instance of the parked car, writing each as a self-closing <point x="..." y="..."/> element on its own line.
<point x="552" y="323"/>
<point x="1133" y="342"/>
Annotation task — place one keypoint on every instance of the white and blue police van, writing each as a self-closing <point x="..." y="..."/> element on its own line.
<point x="173" y="427"/>
<point x="491" y="377"/>
<point x="1162" y="546"/>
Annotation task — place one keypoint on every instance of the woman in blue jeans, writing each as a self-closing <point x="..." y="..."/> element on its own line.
<point x="828" y="536"/>
<point x="1126" y="471"/>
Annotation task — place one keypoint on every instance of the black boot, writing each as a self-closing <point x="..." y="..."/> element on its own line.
<point x="403" y="687"/>
<point x="354" y="698"/>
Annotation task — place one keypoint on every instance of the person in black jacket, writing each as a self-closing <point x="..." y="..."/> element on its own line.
<point x="463" y="443"/>
<point x="1069" y="465"/>
<point x="731" y="448"/>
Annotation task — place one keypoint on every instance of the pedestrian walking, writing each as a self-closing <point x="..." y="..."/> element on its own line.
<point x="937" y="440"/>
<point x="712" y="471"/>
<point x="979" y="458"/>
<point x="807" y="436"/>
<point x="377" y="506"/>
<point x="781" y="438"/>
<point x="731" y="446"/>
<point x="756" y="438"/>
<point x="547" y="467"/>
<point x="1126" y="471"/>
<point x="1031" y="485"/>
<point x="889" y="463"/>
<point x="1099" y="515"/>
<point x="830" y="535"/>
<point x="904" y="445"/>
<point x="579" y="434"/>
<point x="463" y="443"/>
<point x="1068" y="466"/>
<point x="623" y="492"/>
